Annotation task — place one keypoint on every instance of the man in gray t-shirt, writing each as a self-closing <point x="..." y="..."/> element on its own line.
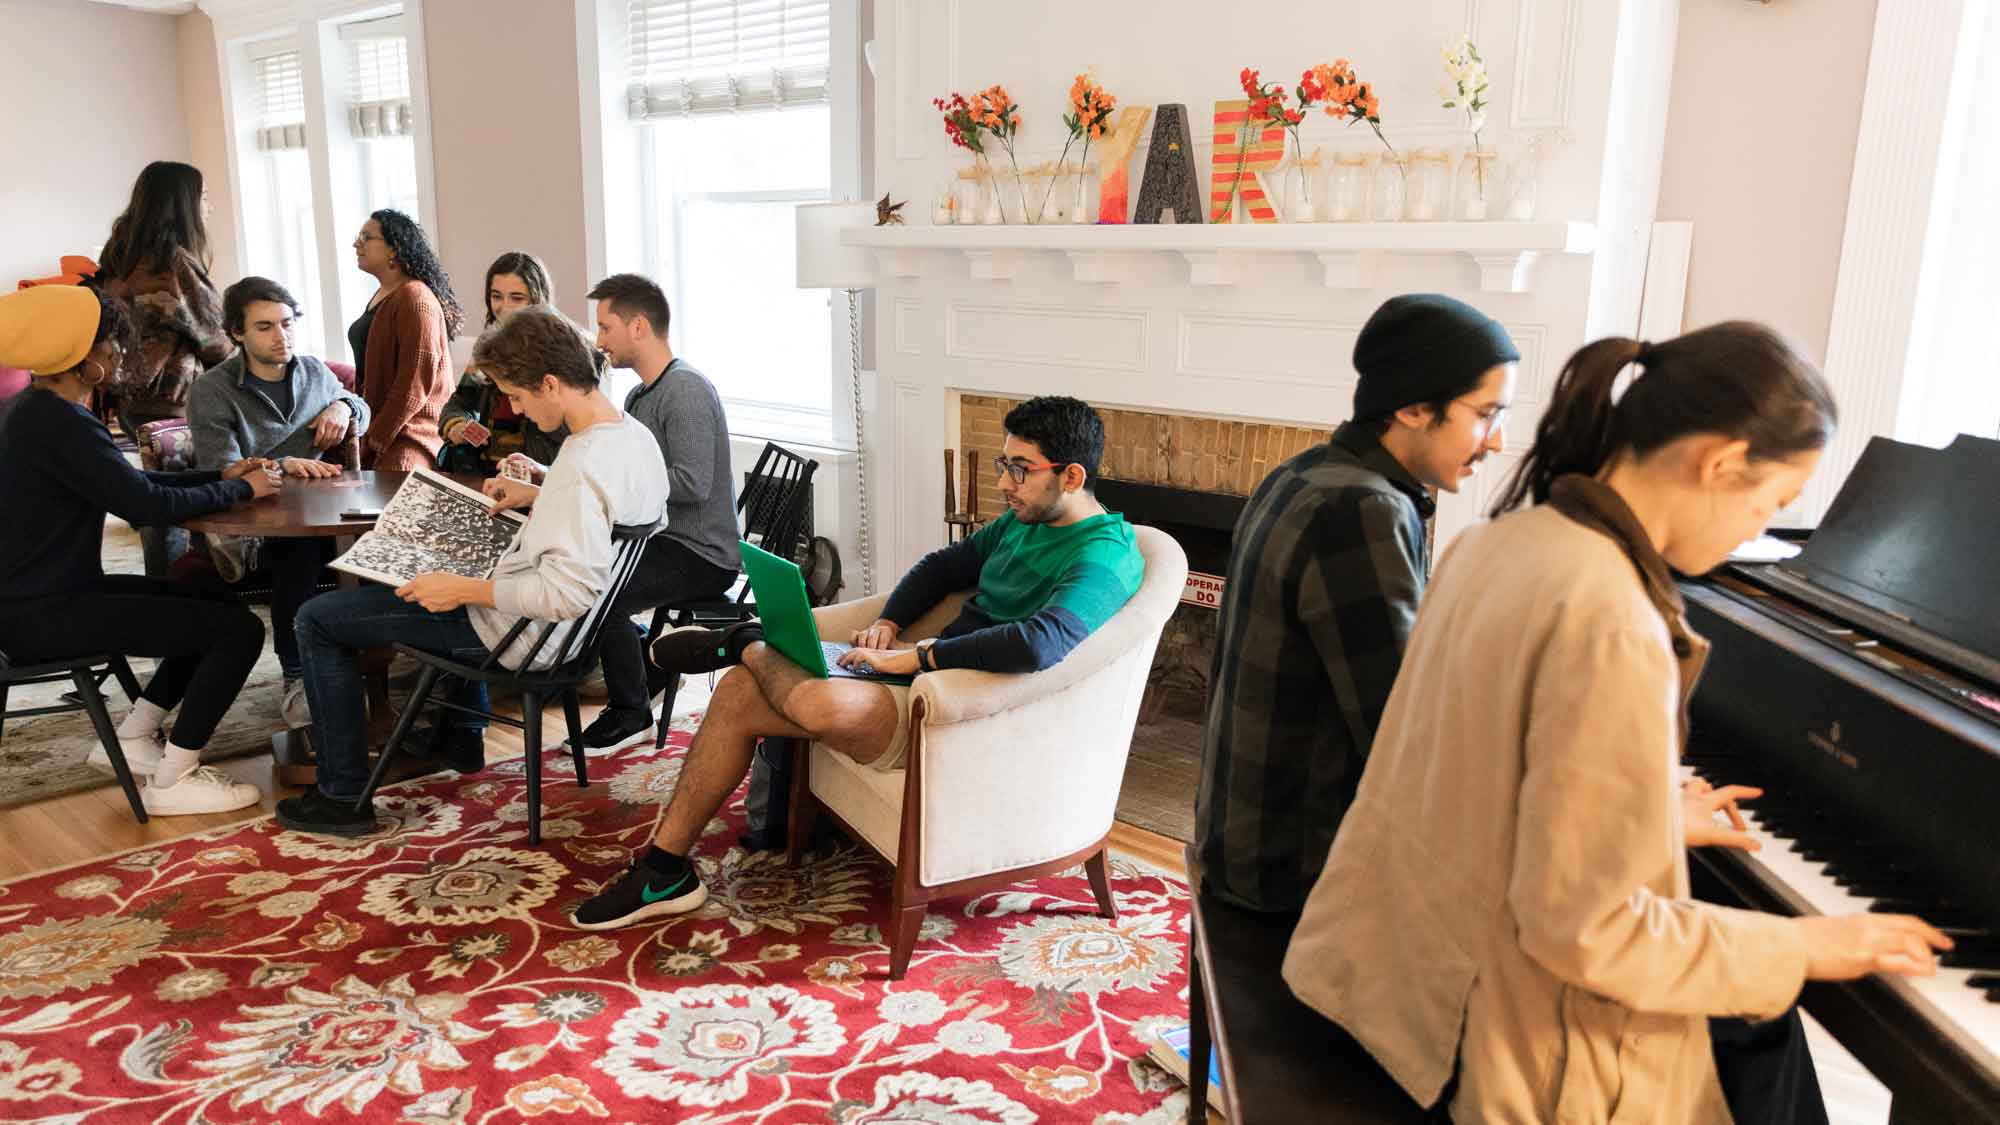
<point x="697" y="556"/>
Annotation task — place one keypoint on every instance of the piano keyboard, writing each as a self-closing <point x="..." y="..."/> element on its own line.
<point x="1819" y="867"/>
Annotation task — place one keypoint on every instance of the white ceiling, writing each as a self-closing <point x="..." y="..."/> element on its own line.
<point x="164" y="7"/>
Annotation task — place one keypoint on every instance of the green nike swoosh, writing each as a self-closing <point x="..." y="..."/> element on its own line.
<point x="648" y="897"/>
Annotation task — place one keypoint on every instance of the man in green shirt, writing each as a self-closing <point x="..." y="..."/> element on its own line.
<point x="1047" y="573"/>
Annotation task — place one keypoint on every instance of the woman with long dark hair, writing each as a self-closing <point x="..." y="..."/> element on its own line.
<point x="59" y="476"/>
<point x="156" y="262"/>
<point x="402" y="343"/>
<point x="480" y="428"/>
<point x="1507" y="901"/>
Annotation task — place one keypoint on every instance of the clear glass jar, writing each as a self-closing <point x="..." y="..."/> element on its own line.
<point x="1389" y="190"/>
<point x="1478" y="194"/>
<point x="944" y="204"/>
<point x="1035" y="201"/>
<point x="1299" y="205"/>
<point x="1523" y="189"/>
<point x="1083" y="195"/>
<point x="1428" y="198"/>
<point x="1347" y="188"/>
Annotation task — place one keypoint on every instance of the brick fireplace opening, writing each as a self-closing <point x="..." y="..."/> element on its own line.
<point x="1187" y="476"/>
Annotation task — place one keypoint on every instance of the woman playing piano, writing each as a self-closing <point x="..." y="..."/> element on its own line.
<point x="1505" y="919"/>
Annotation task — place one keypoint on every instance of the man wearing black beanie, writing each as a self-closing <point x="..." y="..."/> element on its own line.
<point x="1328" y="561"/>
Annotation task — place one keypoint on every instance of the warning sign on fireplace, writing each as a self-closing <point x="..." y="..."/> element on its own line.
<point x="1203" y="589"/>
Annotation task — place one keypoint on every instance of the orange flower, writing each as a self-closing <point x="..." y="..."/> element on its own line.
<point x="1065" y="1084"/>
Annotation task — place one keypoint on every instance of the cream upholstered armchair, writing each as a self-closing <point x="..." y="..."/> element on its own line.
<point x="1008" y="777"/>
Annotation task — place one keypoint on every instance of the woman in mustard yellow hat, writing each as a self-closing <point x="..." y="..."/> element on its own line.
<point x="60" y="474"/>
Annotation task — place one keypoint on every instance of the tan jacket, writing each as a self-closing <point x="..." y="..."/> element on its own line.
<point x="1509" y="892"/>
<point x="408" y="380"/>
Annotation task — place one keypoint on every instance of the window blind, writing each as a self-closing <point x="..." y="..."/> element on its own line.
<point x="725" y="56"/>
<point x="379" y="85"/>
<point x="281" y="102"/>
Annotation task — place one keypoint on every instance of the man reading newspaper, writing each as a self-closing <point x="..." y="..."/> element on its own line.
<point x="609" y="472"/>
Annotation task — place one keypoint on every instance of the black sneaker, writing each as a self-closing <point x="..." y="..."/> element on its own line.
<point x="615" y="729"/>
<point x="463" y="750"/>
<point x="693" y="649"/>
<point x="634" y="897"/>
<point x="314" y="811"/>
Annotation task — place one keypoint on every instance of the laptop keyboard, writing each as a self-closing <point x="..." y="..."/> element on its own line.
<point x="833" y="650"/>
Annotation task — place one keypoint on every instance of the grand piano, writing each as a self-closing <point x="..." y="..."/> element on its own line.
<point x="1858" y="683"/>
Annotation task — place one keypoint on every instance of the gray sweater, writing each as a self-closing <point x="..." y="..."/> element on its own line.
<point x="685" y="415"/>
<point x="229" y="419"/>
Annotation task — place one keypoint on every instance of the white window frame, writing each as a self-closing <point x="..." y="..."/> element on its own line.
<point x="314" y="27"/>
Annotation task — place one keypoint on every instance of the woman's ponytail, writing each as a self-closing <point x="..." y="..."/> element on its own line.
<point x="1738" y="379"/>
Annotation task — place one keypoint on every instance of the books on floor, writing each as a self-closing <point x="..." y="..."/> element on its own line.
<point x="1170" y="1049"/>
<point x="433" y="523"/>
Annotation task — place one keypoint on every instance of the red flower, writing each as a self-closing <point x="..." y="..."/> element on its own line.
<point x="1294" y="116"/>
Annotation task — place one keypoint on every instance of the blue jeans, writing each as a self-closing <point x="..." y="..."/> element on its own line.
<point x="331" y="630"/>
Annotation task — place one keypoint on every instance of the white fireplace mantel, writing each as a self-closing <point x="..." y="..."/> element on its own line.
<point x="1227" y="254"/>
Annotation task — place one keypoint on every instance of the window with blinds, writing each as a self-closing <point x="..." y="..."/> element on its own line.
<point x="725" y="56"/>
<point x="281" y="102"/>
<point x="378" y="79"/>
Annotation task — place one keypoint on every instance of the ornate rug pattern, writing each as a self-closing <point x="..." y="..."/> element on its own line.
<point x="429" y="973"/>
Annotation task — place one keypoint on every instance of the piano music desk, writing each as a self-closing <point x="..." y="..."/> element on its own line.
<point x="1281" y="1061"/>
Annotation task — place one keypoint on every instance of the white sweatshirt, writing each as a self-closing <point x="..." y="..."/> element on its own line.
<point x="560" y="562"/>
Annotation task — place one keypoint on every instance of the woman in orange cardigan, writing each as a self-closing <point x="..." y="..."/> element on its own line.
<point x="402" y="343"/>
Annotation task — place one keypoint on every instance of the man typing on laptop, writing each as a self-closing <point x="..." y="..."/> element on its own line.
<point x="1047" y="573"/>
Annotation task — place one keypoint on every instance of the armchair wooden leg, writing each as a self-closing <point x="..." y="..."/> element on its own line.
<point x="905" y="923"/>
<point x="1099" y="870"/>
<point x="803" y="806"/>
<point x="4" y="689"/>
<point x="425" y="681"/>
<point x="574" y="718"/>
<point x="531" y="739"/>
<point x="100" y="718"/>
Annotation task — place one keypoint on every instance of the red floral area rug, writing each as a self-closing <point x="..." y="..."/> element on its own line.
<point x="429" y="973"/>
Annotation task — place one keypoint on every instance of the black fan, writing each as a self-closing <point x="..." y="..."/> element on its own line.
<point x="819" y="562"/>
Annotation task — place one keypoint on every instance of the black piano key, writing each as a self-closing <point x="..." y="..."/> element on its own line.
<point x="1970" y="959"/>
<point x="1984" y="980"/>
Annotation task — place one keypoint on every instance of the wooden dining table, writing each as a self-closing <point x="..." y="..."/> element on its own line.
<point x="314" y="509"/>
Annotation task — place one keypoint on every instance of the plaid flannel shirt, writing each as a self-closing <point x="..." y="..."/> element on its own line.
<point x="1327" y="564"/>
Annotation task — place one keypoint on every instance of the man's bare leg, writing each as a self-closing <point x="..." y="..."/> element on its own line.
<point x="768" y="697"/>
<point x="719" y="757"/>
<point x="854" y="717"/>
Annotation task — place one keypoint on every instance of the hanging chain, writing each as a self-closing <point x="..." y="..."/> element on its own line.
<point x="860" y="446"/>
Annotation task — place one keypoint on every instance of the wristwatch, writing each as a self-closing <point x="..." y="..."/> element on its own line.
<point x="924" y="655"/>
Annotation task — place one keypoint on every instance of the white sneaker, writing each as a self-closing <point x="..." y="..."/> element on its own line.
<point x="294" y="709"/>
<point x="142" y="754"/>
<point x="203" y="789"/>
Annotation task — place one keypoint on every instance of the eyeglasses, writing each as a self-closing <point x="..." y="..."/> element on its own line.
<point x="364" y="238"/>
<point x="1491" y="418"/>
<point x="1020" y="472"/>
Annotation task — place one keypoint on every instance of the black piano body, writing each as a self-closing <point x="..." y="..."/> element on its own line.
<point x="1859" y="684"/>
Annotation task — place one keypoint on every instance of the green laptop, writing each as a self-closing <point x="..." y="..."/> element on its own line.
<point x="786" y="614"/>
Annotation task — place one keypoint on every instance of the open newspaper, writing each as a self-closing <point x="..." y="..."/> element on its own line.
<point x="433" y="523"/>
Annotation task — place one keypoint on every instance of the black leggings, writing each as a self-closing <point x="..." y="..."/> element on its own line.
<point x="206" y="641"/>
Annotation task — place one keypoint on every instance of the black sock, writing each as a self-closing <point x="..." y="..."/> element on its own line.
<point x="741" y="636"/>
<point x="663" y="863"/>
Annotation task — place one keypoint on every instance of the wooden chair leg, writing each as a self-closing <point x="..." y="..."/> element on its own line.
<point x="803" y="807"/>
<point x="5" y="687"/>
<point x="574" y="718"/>
<point x="531" y="738"/>
<point x="425" y="681"/>
<point x="100" y="717"/>
<point x="127" y="682"/>
<point x="1099" y="871"/>
<point x="905" y="922"/>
